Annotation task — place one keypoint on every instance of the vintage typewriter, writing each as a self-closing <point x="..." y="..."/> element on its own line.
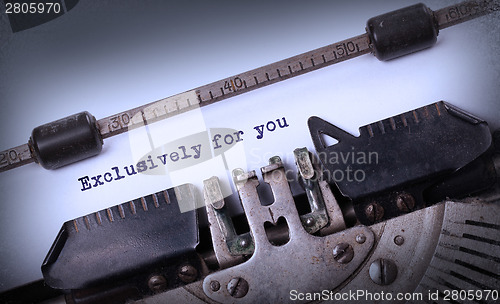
<point x="408" y="210"/>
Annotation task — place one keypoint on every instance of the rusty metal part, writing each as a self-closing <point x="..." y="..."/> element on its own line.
<point x="405" y="202"/>
<point x="221" y="227"/>
<point x="157" y="283"/>
<point x="213" y="193"/>
<point x="374" y="212"/>
<point x="304" y="163"/>
<point x="467" y="254"/>
<point x="464" y="11"/>
<point x="360" y="238"/>
<point x="343" y="252"/>
<point x="420" y="230"/>
<point x="237" y="287"/>
<point x="214" y="285"/>
<point x="308" y="256"/>
<point x="460" y="260"/>
<point x="336" y="221"/>
<point x="15" y="157"/>
<point x="383" y="271"/>
<point x="399" y="240"/>
<point x="187" y="273"/>
<point x="308" y="178"/>
<point x="445" y="245"/>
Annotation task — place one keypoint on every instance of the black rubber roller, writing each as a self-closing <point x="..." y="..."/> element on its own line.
<point x="402" y="32"/>
<point x="66" y="141"/>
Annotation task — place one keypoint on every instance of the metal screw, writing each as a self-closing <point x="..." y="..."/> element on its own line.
<point x="157" y="283"/>
<point x="374" y="212"/>
<point x="383" y="271"/>
<point x="275" y="160"/>
<point x="405" y="202"/>
<point x="218" y="204"/>
<point x="310" y="222"/>
<point x="360" y="238"/>
<point x="187" y="273"/>
<point x="244" y="243"/>
<point x="239" y="175"/>
<point x="237" y="287"/>
<point x="343" y="253"/>
<point x="214" y="286"/>
<point x="399" y="240"/>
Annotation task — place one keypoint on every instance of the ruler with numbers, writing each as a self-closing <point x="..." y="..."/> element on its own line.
<point x="250" y="80"/>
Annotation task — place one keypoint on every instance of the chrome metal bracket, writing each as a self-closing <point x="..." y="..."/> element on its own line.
<point x="305" y="262"/>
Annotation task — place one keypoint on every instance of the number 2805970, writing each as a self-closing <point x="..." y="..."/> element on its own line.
<point x="32" y="8"/>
